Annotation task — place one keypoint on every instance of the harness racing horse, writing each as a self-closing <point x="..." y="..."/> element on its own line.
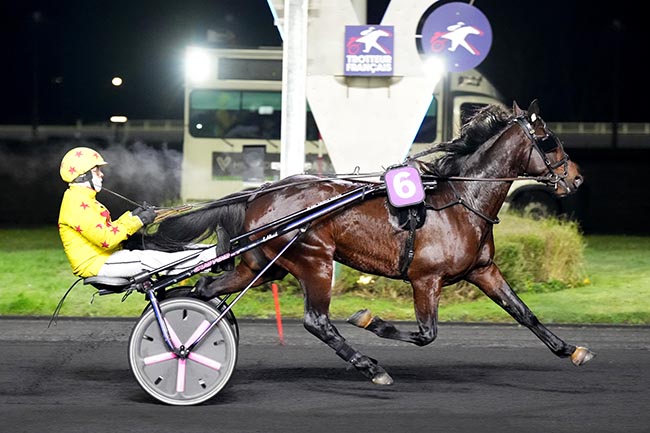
<point x="455" y="242"/>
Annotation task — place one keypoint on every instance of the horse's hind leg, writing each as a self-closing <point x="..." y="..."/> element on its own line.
<point x="490" y="280"/>
<point x="317" y="289"/>
<point x="318" y="323"/>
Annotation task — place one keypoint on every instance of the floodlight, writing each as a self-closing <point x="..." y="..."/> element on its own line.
<point x="119" y="119"/>
<point x="197" y="65"/>
<point x="434" y="67"/>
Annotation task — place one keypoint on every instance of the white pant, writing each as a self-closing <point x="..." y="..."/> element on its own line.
<point x="125" y="263"/>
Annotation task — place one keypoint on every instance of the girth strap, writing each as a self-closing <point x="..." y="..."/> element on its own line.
<point x="409" y="248"/>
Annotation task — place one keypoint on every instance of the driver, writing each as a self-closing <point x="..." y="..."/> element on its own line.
<point x="92" y="241"/>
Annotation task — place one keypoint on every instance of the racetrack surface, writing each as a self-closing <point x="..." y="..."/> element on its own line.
<point x="75" y="377"/>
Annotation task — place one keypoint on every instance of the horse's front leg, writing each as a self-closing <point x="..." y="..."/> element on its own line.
<point x="490" y="280"/>
<point x="426" y="296"/>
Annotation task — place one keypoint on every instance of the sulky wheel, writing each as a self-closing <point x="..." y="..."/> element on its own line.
<point x="207" y="368"/>
<point x="186" y="291"/>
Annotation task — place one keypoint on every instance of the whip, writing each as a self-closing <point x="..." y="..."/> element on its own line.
<point x="161" y="212"/>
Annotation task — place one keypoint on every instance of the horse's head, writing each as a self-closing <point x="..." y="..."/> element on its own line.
<point x="547" y="157"/>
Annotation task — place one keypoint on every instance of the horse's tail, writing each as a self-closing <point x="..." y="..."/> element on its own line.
<point x="217" y="223"/>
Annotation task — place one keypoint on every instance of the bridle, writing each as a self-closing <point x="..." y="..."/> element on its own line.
<point x="545" y="144"/>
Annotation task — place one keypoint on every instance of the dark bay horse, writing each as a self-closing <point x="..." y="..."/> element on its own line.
<point x="455" y="243"/>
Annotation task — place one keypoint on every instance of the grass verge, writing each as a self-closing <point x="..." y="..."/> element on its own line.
<point x="34" y="274"/>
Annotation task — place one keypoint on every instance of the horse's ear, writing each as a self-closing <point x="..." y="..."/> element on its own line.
<point x="516" y="110"/>
<point x="533" y="108"/>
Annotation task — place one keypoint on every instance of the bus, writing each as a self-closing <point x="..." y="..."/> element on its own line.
<point x="232" y="111"/>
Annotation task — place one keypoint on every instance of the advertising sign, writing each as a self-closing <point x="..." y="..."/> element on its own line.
<point x="459" y="34"/>
<point x="368" y="51"/>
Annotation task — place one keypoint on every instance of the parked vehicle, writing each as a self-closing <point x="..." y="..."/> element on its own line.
<point x="231" y="137"/>
<point x="231" y="132"/>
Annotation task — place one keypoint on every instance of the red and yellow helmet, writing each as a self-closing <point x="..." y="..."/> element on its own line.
<point x="78" y="161"/>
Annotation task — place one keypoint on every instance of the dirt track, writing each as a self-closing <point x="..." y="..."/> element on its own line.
<point x="75" y="377"/>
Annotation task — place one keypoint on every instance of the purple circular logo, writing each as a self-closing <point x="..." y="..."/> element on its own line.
<point x="459" y="34"/>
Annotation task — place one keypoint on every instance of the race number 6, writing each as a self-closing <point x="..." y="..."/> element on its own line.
<point x="404" y="186"/>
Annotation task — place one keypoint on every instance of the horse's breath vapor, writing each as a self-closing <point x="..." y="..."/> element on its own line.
<point x="143" y="173"/>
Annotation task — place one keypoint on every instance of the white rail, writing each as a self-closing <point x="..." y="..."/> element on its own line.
<point x="169" y="130"/>
<point x="574" y="134"/>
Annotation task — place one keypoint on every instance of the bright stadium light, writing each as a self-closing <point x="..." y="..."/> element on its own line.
<point x="118" y="119"/>
<point x="197" y="65"/>
<point x="434" y="68"/>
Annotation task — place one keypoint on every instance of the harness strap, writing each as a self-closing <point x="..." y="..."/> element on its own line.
<point x="409" y="247"/>
<point x="459" y="200"/>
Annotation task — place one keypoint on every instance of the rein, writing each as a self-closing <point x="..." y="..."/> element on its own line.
<point x="542" y="179"/>
<point x="459" y="200"/>
<point x="163" y="213"/>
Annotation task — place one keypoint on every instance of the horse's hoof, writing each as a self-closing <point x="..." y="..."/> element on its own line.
<point x="382" y="379"/>
<point x="361" y="318"/>
<point x="201" y="289"/>
<point x="581" y="356"/>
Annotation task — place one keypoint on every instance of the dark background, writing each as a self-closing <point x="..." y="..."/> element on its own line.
<point x="583" y="60"/>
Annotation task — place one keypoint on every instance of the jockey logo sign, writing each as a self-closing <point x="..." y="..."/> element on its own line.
<point x="459" y="34"/>
<point x="368" y="50"/>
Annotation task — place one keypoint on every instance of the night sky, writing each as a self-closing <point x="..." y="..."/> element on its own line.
<point x="581" y="59"/>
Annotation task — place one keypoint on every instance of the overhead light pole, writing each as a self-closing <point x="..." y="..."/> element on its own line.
<point x="37" y="18"/>
<point x="117" y="120"/>
<point x="294" y="99"/>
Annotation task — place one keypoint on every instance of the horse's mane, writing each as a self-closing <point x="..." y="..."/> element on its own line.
<point x="482" y="126"/>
